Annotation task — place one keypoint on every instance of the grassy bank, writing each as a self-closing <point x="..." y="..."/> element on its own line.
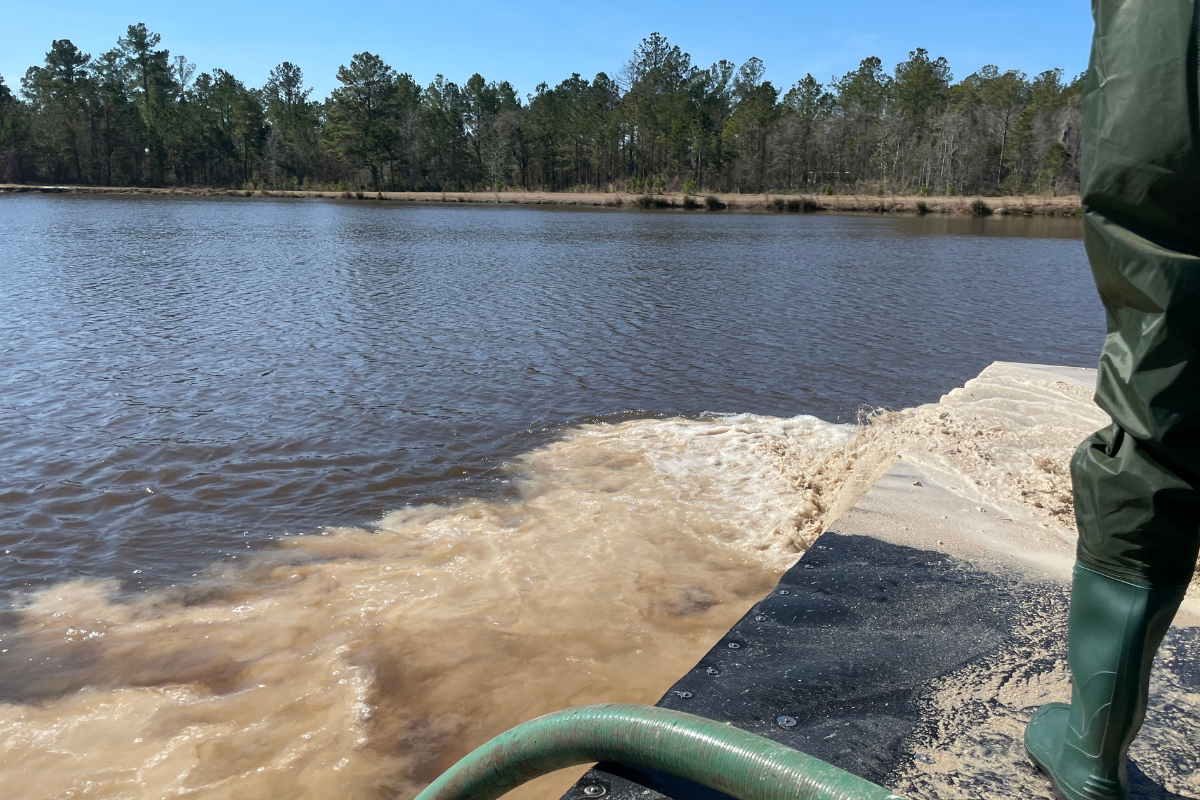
<point x="1021" y="205"/>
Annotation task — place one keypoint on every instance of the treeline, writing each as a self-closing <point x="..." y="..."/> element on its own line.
<point x="136" y="115"/>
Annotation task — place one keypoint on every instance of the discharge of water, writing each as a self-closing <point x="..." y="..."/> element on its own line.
<point x="184" y="381"/>
<point x="361" y="663"/>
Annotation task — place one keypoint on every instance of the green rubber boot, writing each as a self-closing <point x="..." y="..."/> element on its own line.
<point x="1113" y="632"/>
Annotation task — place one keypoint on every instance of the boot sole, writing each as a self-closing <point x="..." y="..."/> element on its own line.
<point x="1058" y="794"/>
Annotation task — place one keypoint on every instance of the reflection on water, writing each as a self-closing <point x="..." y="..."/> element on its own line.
<point x="183" y="380"/>
<point x="204" y="401"/>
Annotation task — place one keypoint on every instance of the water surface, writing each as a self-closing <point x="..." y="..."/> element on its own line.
<point x="308" y="499"/>
<point x="181" y="380"/>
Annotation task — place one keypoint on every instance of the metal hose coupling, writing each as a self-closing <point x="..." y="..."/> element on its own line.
<point x="743" y="765"/>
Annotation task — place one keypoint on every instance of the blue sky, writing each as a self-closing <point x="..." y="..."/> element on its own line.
<point x="530" y="42"/>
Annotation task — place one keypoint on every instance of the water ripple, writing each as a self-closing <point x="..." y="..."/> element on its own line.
<point x="182" y="377"/>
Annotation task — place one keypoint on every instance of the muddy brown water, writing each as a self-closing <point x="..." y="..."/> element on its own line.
<point x="307" y="498"/>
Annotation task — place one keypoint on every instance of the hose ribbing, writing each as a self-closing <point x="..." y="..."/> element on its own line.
<point x="741" y="764"/>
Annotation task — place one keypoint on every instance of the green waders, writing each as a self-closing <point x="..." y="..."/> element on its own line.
<point x="1137" y="482"/>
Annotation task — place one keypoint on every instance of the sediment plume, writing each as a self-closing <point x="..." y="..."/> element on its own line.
<point x="361" y="663"/>
<point x="358" y="663"/>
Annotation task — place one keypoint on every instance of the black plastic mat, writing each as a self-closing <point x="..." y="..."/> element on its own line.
<point x="839" y="659"/>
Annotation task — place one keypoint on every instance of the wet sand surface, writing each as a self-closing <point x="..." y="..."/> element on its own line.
<point x="912" y="641"/>
<point x="1000" y="501"/>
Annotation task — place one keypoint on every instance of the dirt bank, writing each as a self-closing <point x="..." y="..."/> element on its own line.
<point x="1023" y="205"/>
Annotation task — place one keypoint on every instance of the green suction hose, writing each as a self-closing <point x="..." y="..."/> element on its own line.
<point x="741" y="764"/>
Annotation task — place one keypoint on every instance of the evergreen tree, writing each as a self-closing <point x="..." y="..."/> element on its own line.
<point x="294" y="124"/>
<point x="363" y="114"/>
<point x="137" y="115"/>
<point x="153" y="92"/>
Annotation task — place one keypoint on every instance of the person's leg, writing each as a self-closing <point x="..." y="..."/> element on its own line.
<point x="1136" y="482"/>
<point x="1114" y="629"/>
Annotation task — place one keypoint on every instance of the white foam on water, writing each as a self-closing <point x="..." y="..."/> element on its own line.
<point x="363" y="663"/>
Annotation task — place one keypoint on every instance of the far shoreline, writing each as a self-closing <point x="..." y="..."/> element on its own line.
<point x="767" y="202"/>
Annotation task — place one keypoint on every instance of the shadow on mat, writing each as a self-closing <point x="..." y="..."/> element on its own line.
<point x="1143" y="787"/>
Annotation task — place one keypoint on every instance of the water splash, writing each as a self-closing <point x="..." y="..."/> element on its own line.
<point x="361" y="663"/>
